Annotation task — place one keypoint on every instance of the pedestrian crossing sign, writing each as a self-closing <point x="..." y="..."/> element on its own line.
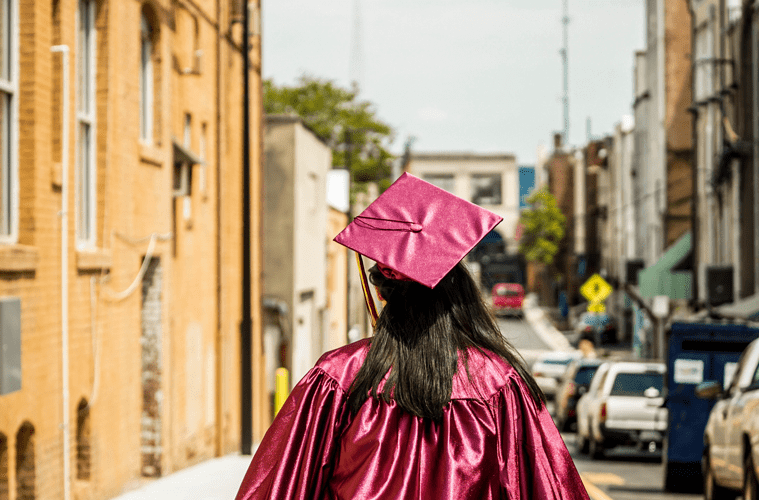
<point x="596" y="289"/>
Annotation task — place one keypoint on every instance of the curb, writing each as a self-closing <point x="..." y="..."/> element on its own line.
<point x="548" y="333"/>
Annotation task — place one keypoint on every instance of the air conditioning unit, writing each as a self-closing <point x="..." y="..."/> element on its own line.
<point x="633" y="266"/>
<point x="719" y="285"/>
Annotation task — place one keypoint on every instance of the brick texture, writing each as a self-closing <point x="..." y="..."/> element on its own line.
<point x="128" y="352"/>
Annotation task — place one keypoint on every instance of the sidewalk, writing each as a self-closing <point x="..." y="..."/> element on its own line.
<point x="542" y="325"/>
<point x="215" y="479"/>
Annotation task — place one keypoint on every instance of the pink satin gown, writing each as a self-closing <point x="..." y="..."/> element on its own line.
<point x="492" y="443"/>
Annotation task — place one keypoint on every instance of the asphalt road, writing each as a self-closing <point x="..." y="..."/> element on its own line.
<point x="625" y="473"/>
<point x="518" y="332"/>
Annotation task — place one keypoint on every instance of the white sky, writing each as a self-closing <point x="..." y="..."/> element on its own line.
<point x="474" y="75"/>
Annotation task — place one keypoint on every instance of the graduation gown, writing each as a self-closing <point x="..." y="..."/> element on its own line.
<point x="492" y="443"/>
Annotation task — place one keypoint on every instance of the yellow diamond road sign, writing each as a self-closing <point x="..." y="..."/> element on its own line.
<point x="596" y="289"/>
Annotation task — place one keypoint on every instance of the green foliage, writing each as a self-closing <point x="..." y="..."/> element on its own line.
<point x="543" y="227"/>
<point x="346" y="124"/>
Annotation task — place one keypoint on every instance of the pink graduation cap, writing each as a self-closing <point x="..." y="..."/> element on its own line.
<point x="417" y="230"/>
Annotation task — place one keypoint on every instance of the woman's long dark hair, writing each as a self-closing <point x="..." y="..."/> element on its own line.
<point x="418" y="338"/>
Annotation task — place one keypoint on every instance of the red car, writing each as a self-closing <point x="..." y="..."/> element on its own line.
<point x="507" y="299"/>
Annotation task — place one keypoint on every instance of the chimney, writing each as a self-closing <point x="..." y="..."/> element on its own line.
<point x="557" y="141"/>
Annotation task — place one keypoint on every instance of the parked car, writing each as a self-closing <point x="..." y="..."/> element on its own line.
<point x="626" y="408"/>
<point x="598" y="327"/>
<point x="549" y="367"/>
<point x="507" y="299"/>
<point x="731" y="439"/>
<point x="575" y="383"/>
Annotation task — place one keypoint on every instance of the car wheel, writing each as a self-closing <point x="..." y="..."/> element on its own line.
<point x="750" y="485"/>
<point x="713" y="491"/>
<point x="596" y="449"/>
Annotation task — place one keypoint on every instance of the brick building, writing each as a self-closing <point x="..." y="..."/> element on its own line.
<point x="121" y="242"/>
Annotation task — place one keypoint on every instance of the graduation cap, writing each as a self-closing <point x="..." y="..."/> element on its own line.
<point x="416" y="231"/>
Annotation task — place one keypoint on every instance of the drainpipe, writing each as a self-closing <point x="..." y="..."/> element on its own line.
<point x="246" y="325"/>
<point x="694" y="163"/>
<point x="64" y="50"/>
<point x="755" y="120"/>
<point x="219" y="344"/>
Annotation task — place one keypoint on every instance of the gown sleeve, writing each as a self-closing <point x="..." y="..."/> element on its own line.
<point x="295" y="458"/>
<point x="534" y="461"/>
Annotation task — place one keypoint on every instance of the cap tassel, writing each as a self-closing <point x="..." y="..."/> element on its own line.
<point x="370" y="305"/>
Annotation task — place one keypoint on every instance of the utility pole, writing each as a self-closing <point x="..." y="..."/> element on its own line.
<point x="565" y="61"/>
<point x="356" y="68"/>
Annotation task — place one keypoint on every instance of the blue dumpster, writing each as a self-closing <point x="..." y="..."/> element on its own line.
<point x="697" y="352"/>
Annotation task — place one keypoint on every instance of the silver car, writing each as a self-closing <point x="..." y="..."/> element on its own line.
<point x="731" y="437"/>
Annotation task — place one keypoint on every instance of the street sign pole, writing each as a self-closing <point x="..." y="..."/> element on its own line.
<point x="660" y="308"/>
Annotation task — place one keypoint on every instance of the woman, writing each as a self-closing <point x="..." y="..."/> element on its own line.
<point x="437" y="405"/>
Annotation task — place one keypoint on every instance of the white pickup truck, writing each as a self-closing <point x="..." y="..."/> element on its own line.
<point x="624" y="408"/>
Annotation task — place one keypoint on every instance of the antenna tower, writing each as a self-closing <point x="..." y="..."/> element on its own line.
<point x="565" y="60"/>
<point x="355" y="68"/>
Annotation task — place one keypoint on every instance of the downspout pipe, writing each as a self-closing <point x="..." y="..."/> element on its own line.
<point x="64" y="51"/>
<point x="219" y="344"/>
<point x="246" y="325"/>
<point x="694" y="164"/>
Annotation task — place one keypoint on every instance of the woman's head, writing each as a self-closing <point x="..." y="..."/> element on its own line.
<point x="418" y="338"/>
<point x="455" y="300"/>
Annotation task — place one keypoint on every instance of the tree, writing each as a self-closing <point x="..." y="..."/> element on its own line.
<point x="358" y="138"/>
<point x="543" y="227"/>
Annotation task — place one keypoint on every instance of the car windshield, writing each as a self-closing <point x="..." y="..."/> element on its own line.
<point x="556" y="361"/>
<point x="595" y="319"/>
<point x="635" y="384"/>
<point x="585" y="374"/>
<point x="507" y="292"/>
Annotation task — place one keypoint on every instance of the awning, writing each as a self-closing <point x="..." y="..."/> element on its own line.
<point x="747" y="309"/>
<point x="663" y="278"/>
<point x="183" y="154"/>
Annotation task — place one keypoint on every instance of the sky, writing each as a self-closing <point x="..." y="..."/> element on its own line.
<point x="480" y="76"/>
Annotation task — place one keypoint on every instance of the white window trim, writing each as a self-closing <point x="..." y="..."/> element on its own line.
<point x="89" y="118"/>
<point x="12" y="88"/>
<point x="146" y="75"/>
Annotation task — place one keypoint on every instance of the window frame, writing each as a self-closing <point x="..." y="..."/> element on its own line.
<point x="10" y="171"/>
<point x="474" y="177"/>
<point x="86" y="236"/>
<point x="147" y="79"/>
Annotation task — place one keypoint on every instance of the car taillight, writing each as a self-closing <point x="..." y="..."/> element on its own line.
<point x="603" y="412"/>
<point x="587" y="328"/>
<point x="609" y="326"/>
<point x="571" y="388"/>
<point x="537" y="374"/>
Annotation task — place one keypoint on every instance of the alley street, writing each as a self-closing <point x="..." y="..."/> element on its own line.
<point x="522" y="337"/>
<point x="625" y="473"/>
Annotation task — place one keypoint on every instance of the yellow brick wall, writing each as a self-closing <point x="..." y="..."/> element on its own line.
<point x="201" y="265"/>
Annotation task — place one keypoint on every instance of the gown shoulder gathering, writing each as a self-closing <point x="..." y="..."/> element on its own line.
<point x="493" y="441"/>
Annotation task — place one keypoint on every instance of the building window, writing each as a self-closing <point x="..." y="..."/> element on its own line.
<point x="146" y="79"/>
<point x="85" y="171"/>
<point x="83" y="455"/>
<point x="26" y="474"/>
<point x="443" y="181"/>
<point x="8" y="124"/>
<point x="486" y="189"/>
